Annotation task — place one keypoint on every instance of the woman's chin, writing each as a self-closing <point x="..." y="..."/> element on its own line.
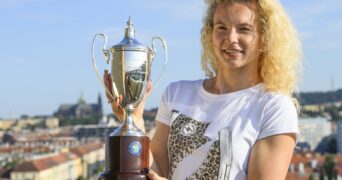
<point x="234" y="64"/>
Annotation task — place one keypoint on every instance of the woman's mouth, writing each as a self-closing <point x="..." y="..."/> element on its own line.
<point x="232" y="53"/>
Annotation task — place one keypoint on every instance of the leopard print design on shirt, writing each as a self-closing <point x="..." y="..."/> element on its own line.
<point x="186" y="135"/>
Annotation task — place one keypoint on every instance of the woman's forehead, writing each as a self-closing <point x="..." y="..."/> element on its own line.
<point x="237" y="1"/>
<point x="236" y="12"/>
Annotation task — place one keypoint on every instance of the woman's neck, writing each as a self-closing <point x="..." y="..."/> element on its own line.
<point x="231" y="81"/>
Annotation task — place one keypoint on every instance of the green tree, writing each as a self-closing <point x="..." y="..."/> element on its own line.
<point x="81" y="178"/>
<point x="312" y="177"/>
<point x="328" y="168"/>
<point x="81" y="121"/>
<point x="13" y="163"/>
<point x="334" y="113"/>
<point x="99" y="169"/>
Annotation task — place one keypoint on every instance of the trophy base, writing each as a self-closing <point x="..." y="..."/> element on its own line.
<point x="122" y="176"/>
<point x="122" y="158"/>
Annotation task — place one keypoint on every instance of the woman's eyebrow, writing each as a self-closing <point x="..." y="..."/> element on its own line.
<point x="246" y="24"/>
<point x="218" y="23"/>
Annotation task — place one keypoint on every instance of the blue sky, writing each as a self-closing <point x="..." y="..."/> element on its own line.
<point x="45" y="57"/>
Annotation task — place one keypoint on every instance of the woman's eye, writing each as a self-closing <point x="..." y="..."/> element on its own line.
<point x="220" y="28"/>
<point x="245" y="29"/>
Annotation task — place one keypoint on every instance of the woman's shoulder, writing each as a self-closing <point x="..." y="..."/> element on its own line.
<point x="276" y="96"/>
<point x="278" y="100"/>
<point x="185" y="84"/>
<point x="279" y="115"/>
<point x="182" y="89"/>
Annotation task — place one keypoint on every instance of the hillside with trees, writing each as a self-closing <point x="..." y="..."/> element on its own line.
<point x="312" y="98"/>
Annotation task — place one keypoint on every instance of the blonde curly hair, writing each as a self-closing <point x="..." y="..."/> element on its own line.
<point x="279" y="65"/>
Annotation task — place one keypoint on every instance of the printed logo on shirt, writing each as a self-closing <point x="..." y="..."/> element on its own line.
<point x="188" y="129"/>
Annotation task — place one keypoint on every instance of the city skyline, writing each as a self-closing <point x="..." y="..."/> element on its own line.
<point x="45" y="57"/>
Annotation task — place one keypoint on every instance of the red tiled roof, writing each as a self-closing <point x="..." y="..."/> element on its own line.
<point x="49" y="162"/>
<point x="295" y="176"/>
<point x="339" y="169"/>
<point x="35" y="165"/>
<point x="64" y="157"/>
<point x="44" y="163"/>
<point x="24" y="149"/>
<point x="338" y="158"/>
<point x="306" y="158"/>
<point x="86" y="148"/>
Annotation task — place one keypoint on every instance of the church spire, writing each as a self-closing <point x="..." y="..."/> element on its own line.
<point x="81" y="100"/>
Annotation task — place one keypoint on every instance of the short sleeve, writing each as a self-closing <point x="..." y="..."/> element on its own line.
<point x="279" y="117"/>
<point x="164" y="112"/>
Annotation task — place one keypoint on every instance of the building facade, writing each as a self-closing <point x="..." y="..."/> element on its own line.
<point x="43" y="122"/>
<point x="81" y="109"/>
<point x="82" y="162"/>
<point x="313" y="130"/>
<point x="339" y="136"/>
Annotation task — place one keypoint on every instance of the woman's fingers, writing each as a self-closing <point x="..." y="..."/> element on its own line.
<point x="149" y="87"/>
<point x="152" y="175"/>
<point x="115" y="103"/>
<point x="107" y="81"/>
<point x="117" y="109"/>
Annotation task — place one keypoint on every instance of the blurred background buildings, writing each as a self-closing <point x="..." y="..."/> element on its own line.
<point x="70" y="142"/>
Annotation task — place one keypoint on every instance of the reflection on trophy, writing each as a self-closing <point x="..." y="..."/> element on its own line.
<point x="127" y="148"/>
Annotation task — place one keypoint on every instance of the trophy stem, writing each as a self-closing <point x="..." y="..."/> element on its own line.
<point x="127" y="127"/>
<point x="128" y="121"/>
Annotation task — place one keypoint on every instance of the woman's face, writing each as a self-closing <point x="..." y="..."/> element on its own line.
<point x="236" y="37"/>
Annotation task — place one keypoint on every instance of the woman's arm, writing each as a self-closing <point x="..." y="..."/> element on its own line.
<point x="159" y="159"/>
<point x="270" y="157"/>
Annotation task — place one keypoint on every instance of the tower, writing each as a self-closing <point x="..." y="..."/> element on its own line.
<point x="99" y="105"/>
<point x="81" y="100"/>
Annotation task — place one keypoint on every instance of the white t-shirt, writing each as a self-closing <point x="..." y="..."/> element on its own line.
<point x="251" y="114"/>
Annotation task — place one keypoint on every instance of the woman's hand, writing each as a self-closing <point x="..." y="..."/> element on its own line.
<point x="152" y="175"/>
<point x="115" y="103"/>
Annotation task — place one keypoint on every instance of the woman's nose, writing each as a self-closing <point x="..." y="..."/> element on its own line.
<point x="232" y="36"/>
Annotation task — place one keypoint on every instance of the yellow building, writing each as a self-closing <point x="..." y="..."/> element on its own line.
<point x="313" y="108"/>
<point x="46" y="122"/>
<point x="82" y="161"/>
<point x="58" y="167"/>
<point x="51" y="122"/>
<point x="7" y="123"/>
<point x="92" y="157"/>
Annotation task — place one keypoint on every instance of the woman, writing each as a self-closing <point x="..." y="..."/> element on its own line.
<point x="241" y="122"/>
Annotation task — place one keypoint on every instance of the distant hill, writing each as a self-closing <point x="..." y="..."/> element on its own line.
<point x="307" y="98"/>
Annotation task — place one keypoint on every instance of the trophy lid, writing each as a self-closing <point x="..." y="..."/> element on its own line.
<point x="129" y="43"/>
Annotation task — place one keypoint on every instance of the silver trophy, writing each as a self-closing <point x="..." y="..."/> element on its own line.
<point x="127" y="148"/>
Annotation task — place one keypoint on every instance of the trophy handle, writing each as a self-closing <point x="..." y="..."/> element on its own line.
<point x="107" y="58"/>
<point x="154" y="51"/>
